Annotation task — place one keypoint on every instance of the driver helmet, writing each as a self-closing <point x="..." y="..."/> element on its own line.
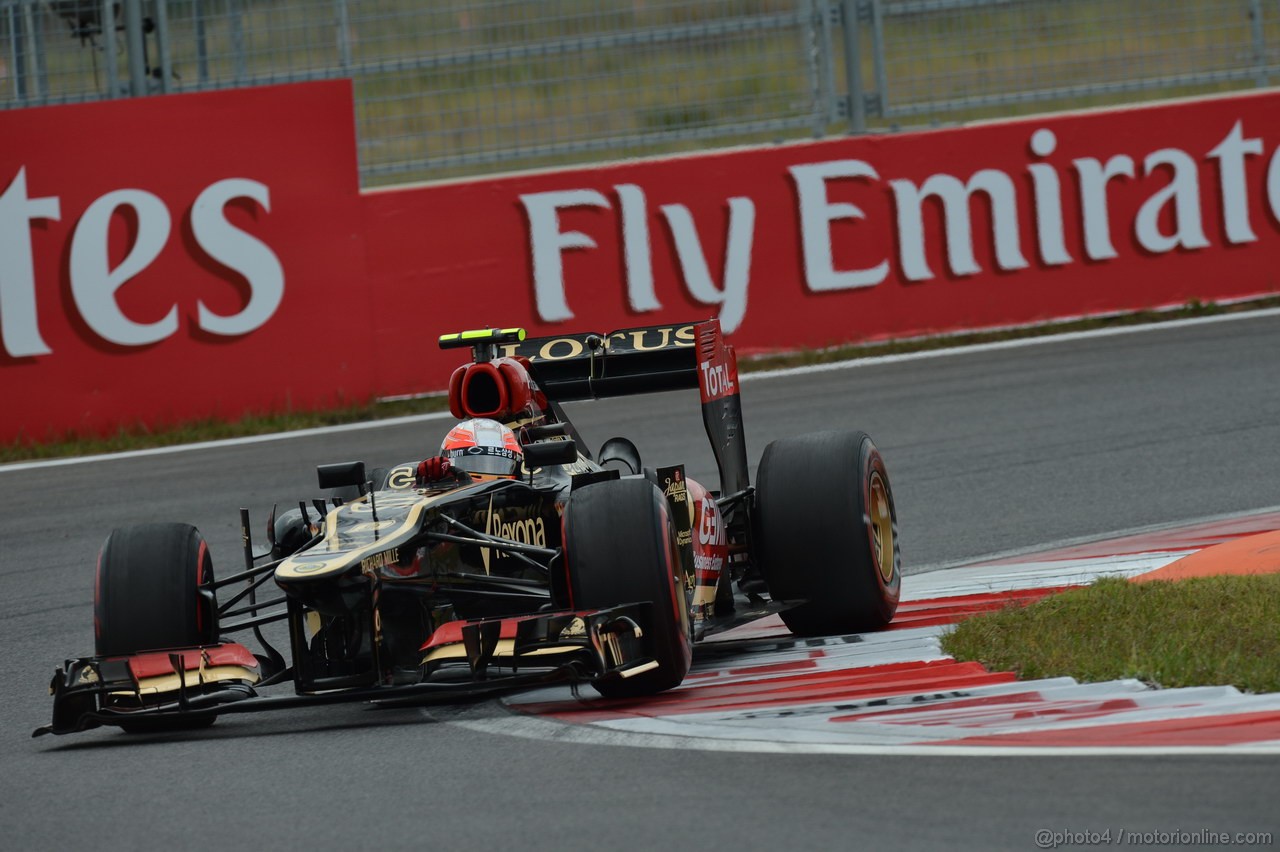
<point x="483" y="448"/>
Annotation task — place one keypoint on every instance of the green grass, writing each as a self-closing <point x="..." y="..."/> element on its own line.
<point x="1204" y="631"/>
<point x="140" y="436"/>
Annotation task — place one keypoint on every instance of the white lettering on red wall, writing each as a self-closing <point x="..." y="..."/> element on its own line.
<point x="94" y="281"/>
<point x="1170" y="218"/>
<point x="816" y="215"/>
<point x="126" y="268"/>
<point x="179" y="258"/>
<point x="19" y="314"/>
<point x="821" y="243"/>
<point x="548" y="243"/>
<point x="239" y="251"/>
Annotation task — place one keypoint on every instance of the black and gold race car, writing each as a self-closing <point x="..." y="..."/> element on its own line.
<point x="434" y="580"/>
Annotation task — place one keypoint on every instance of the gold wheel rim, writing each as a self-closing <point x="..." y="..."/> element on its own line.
<point x="881" y="522"/>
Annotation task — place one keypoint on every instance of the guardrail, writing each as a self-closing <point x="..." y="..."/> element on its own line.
<point x="452" y="87"/>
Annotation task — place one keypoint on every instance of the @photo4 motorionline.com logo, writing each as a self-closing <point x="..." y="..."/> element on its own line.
<point x="1051" y="839"/>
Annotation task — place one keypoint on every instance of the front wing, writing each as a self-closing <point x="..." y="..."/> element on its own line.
<point x="463" y="660"/>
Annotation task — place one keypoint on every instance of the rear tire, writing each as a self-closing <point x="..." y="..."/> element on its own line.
<point x="620" y="548"/>
<point x="147" y="597"/>
<point x="827" y="533"/>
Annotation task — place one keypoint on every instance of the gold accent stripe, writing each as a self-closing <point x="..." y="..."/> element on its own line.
<point x="194" y="677"/>
<point x="290" y="569"/>
<point x="506" y="648"/>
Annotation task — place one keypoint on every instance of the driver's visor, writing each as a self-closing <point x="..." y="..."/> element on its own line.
<point x="495" y="461"/>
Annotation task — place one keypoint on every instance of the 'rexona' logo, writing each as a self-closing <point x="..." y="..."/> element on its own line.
<point x="524" y="530"/>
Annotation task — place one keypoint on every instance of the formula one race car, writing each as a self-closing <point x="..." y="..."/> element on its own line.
<point x="513" y="558"/>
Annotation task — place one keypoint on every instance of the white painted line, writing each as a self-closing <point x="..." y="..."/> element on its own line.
<point x="756" y="376"/>
<point x="530" y="727"/>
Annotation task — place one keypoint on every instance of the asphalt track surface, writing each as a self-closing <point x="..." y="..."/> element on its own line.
<point x="987" y="451"/>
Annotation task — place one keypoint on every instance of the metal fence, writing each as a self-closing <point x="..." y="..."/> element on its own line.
<point x="455" y="87"/>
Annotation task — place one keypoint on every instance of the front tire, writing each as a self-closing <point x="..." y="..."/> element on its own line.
<point x="620" y="547"/>
<point x="147" y="597"/>
<point x="827" y="533"/>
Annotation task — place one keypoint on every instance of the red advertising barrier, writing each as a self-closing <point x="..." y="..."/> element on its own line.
<point x="808" y="245"/>
<point x="176" y="258"/>
<point x="206" y="255"/>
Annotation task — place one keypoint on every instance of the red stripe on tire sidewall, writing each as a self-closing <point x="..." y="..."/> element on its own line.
<point x="204" y="550"/>
<point x="564" y="556"/>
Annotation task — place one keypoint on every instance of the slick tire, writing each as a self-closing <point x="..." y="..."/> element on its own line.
<point x="147" y="597"/>
<point x="620" y="548"/>
<point x="826" y="532"/>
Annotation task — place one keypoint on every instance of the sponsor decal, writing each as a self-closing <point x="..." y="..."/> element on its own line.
<point x="401" y="477"/>
<point x="523" y="530"/>
<point x="707" y="567"/>
<point x="500" y="452"/>
<point x="711" y="529"/>
<point x="676" y="490"/>
<point x="371" y="564"/>
<point x="675" y="486"/>
<point x="646" y="339"/>
<point x="577" y="627"/>
<point x="649" y="339"/>
<point x="717" y="380"/>
<point x="711" y="550"/>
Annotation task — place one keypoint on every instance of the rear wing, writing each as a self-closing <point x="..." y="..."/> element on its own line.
<point x="649" y="359"/>
<point x="591" y="365"/>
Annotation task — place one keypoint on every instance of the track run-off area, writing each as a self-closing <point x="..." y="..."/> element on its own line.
<point x="995" y="454"/>
<point x="757" y="688"/>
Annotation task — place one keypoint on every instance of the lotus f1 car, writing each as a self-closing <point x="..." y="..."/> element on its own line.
<point x="418" y="583"/>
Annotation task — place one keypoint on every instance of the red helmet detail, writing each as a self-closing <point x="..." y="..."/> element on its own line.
<point x="484" y="447"/>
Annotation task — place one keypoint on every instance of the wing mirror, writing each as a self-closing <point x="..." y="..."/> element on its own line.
<point x="543" y="453"/>
<point x="342" y="474"/>
<point x="622" y="451"/>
